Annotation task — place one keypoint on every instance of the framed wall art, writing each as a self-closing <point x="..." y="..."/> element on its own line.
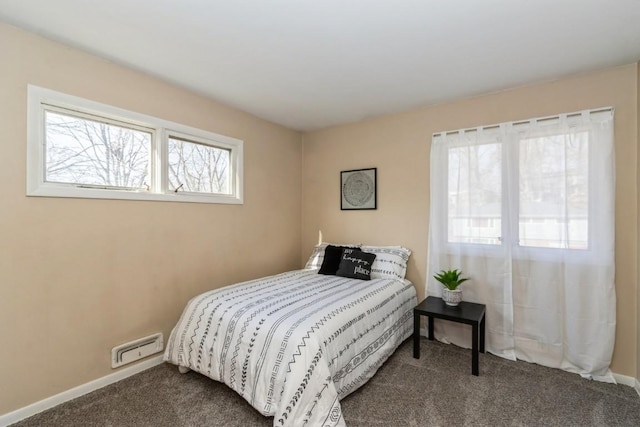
<point x="358" y="189"/>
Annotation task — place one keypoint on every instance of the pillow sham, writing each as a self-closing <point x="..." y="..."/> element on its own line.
<point x="317" y="256"/>
<point x="332" y="258"/>
<point x="390" y="262"/>
<point x="355" y="264"/>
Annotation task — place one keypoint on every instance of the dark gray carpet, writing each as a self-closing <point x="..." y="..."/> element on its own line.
<point x="437" y="390"/>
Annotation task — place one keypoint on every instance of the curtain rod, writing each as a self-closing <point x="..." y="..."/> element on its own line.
<point x="521" y="122"/>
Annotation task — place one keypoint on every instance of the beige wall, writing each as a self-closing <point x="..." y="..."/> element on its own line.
<point x="398" y="145"/>
<point x="79" y="276"/>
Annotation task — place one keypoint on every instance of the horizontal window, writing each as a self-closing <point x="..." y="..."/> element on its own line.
<point x="93" y="152"/>
<point x="79" y="148"/>
<point x="198" y="168"/>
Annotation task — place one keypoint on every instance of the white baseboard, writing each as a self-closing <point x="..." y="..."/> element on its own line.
<point x="50" y="402"/>
<point x="625" y="380"/>
<point x="620" y="379"/>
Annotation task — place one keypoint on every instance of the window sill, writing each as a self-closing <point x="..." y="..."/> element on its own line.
<point x="97" y="193"/>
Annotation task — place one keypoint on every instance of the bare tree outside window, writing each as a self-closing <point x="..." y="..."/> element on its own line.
<point x="90" y="152"/>
<point x="197" y="167"/>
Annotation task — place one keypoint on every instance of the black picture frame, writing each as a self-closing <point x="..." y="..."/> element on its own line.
<point x="359" y="189"/>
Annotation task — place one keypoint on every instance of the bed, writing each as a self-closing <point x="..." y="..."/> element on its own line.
<point x="294" y="344"/>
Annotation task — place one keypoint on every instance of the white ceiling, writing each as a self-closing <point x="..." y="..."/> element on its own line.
<point x="309" y="64"/>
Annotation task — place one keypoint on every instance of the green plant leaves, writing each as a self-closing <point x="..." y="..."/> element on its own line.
<point x="450" y="278"/>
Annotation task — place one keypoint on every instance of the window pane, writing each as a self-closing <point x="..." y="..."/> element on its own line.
<point x="554" y="191"/>
<point x="475" y="194"/>
<point x="198" y="168"/>
<point x="89" y="152"/>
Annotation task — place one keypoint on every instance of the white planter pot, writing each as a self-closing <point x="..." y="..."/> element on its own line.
<point x="450" y="297"/>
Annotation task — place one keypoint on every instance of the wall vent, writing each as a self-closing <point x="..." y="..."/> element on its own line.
<point x="136" y="350"/>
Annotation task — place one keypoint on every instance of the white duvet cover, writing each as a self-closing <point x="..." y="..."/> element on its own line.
<point x="296" y="343"/>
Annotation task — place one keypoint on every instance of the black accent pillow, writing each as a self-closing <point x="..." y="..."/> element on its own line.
<point x="356" y="264"/>
<point x="332" y="258"/>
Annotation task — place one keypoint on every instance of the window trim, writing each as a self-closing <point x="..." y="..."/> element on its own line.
<point x="38" y="99"/>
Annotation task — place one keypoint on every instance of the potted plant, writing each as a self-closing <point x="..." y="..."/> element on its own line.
<point x="451" y="279"/>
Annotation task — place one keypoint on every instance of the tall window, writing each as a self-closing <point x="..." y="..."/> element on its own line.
<point x="544" y="183"/>
<point x="553" y="196"/>
<point x="526" y="210"/>
<point x="475" y="193"/>
<point x="80" y="148"/>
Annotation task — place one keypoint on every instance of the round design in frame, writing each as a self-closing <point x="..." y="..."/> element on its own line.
<point x="359" y="189"/>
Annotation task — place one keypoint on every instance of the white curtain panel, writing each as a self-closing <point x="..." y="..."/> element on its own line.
<point x="526" y="210"/>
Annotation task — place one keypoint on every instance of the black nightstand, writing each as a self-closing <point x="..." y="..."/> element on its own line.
<point x="466" y="312"/>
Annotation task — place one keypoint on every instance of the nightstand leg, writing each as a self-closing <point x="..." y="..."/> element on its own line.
<point x="475" y="370"/>
<point x="416" y="335"/>
<point x="430" y="336"/>
<point x="482" y="335"/>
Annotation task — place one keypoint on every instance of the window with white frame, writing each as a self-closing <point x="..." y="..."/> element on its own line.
<point x="530" y="184"/>
<point x="89" y="151"/>
<point x="84" y="149"/>
<point x="197" y="167"/>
